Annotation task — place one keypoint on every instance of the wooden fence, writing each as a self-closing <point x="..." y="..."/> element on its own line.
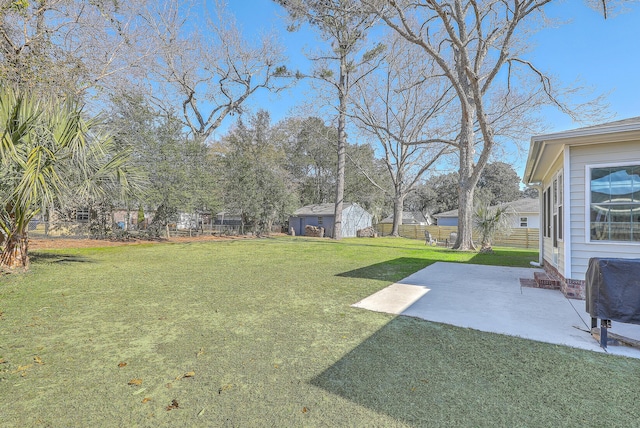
<point x="518" y="237"/>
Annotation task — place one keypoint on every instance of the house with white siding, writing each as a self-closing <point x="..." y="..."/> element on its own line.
<point x="410" y="217"/>
<point x="589" y="184"/>
<point x="523" y="213"/>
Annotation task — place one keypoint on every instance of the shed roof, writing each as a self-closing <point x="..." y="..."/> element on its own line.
<point x="545" y="149"/>
<point x="317" y="210"/>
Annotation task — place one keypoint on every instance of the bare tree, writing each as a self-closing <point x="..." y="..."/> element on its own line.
<point x="341" y="23"/>
<point x="72" y="47"/>
<point x="208" y="74"/>
<point x="401" y="105"/>
<point x="477" y="46"/>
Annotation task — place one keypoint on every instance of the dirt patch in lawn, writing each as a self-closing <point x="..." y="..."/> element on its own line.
<point x="61" y="243"/>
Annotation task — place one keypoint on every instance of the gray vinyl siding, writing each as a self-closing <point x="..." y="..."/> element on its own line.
<point x="582" y="249"/>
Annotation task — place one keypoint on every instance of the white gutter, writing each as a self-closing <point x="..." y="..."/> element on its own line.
<point x="538" y="186"/>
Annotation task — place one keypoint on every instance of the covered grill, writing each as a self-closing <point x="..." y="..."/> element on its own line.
<point x="613" y="293"/>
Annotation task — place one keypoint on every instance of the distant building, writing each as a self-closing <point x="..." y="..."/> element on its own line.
<point x="354" y="218"/>
<point x="525" y="214"/>
<point x="411" y="217"/>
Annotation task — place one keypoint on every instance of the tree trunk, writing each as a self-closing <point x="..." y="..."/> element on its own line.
<point x="15" y="254"/>
<point x="342" y="149"/>
<point x="398" y="206"/>
<point x="467" y="182"/>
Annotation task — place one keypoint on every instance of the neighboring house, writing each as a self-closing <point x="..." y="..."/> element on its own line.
<point x="190" y="220"/>
<point x="589" y="182"/>
<point x="526" y="214"/>
<point x="124" y="219"/>
<point x="411" y="217"/>
<point x="447" y="218"/>
<point x="354" y="218"/>
<point x="228" y="218"/>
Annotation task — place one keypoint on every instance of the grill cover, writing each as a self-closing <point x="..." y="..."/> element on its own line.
<point x="613" y="289"/>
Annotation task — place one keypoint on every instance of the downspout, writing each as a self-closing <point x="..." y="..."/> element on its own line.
<point x="538" y="186"/>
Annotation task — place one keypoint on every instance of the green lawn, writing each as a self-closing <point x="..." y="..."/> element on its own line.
<point x="264" y="332"/>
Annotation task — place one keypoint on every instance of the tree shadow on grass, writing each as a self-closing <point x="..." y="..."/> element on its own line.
<point x="37" y="257"/>
<point x="391" y="270"/>
<point x="390" y="373"/>
<point x="428" y="374"/>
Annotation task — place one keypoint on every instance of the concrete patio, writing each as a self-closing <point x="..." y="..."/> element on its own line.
<point x="491" y="299"/>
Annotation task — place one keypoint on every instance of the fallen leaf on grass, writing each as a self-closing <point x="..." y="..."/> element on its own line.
<point x="2" y="361"/>
<point x="146" y="399"/>
<point x="201" y="412"/>
<point x="200" y="352"/>
<point x="23" y="369"/>
<point x="38" y="360"/>
<point x="122" y="364"/>
<point x="225" y="387"/>
<point x="174" y="405"/>
<point x="136" y="382"/>
<point x="187" y="374"/>
<point x="305" y="410"/>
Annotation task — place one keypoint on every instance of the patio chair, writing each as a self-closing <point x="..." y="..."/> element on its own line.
<point x="428" y="239"/>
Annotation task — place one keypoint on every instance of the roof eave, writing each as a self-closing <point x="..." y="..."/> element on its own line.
<point x="582" y="136"/>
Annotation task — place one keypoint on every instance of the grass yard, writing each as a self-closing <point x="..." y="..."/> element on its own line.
<point x="261" y="333"/>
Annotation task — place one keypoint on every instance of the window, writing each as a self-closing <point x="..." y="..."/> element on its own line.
<point x="319" y="221"/>
<point x="546" y="213"/>
<point x="82" y="214"/>
<point x="524" y="221"/>
<point x="558" y="205"/>
<point x="614" y="203"/>
<point x="552" y="209"/>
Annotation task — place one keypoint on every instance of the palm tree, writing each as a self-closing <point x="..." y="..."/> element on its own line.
<point x="488" y="221"/>
<point x="47" y="150"/>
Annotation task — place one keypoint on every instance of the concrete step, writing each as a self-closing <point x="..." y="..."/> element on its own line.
<point x="545" y="281"/>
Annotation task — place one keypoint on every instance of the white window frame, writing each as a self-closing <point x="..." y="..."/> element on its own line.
<point x="524" y="222"/>
<point x="559" y="208"/>
<point x="553" y="206"/>
<point x="587" y="201"/>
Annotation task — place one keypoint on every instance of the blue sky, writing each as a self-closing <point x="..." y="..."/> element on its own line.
<point x="602" y="54"/>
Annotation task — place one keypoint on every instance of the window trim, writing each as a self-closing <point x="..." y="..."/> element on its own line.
<point x="587" y="201"/>
<point x="524" y="222"/>
<point x="560" y="204"/>
<point x="546" y="215"/>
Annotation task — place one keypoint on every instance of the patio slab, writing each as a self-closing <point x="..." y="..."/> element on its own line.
<point x="491" y="299"/>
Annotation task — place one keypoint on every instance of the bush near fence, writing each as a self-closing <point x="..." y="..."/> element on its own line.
<point x="518" y="237"/>
<point x="82" y="230"/>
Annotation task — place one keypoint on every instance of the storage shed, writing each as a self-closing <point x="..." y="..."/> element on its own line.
<point x="354" y="218"/>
